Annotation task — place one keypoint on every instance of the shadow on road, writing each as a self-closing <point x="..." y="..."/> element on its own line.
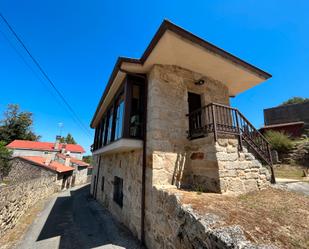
<point x="78" y="223"/>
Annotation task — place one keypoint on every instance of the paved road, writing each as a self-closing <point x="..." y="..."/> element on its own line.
<point x="73" y="220"/>
<point x="293" y="185"/>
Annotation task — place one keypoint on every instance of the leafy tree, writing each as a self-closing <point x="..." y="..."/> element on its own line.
<point x="68" y="139"/>
<point x="5" y="156"/>
<point x="16" y="125"/>
<point x="88" y="159"/>
<point x="295" y="100"/>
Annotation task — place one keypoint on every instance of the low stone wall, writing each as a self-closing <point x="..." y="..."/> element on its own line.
<point x="21" y="170"/>
<point x="16" y="199"/>
<point x="221" y="167"/>
<point x="172" y="225"/>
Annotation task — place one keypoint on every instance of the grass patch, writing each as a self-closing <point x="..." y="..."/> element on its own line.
<point x="270" y="216"/>
<point x="289" y="171"/>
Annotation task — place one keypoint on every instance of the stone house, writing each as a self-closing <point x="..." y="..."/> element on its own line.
<point x="82" y="171"/>
<point x="165" y="119"/>
<point x="36" y="148"/>
<point x="64" y="160"/>
<point x="25" y="168"/>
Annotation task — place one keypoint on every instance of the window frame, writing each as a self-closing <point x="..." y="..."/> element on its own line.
<point x="104" y="134"/>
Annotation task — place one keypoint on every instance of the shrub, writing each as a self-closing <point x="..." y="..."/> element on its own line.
<point x="295" y="100"/>
<point x="279" y="141"/>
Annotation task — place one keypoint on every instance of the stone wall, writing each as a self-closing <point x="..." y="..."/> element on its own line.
<point x="22" y="170"/>
<point x="128" y="166"/>
<point x="172" y="225"/>
<point x="167" y="124"/>
<point x="172" y="158"/>
<point x="16" y="199"/>
<point x="222" y="167"/>
<point x="81" y="175"/>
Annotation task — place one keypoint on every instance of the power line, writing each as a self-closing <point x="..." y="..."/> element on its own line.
<point x="53" y="94"/>
<point x="46" y="76"/>
<point x="30" y="67"/>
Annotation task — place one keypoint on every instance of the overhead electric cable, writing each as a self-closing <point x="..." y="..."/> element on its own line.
<point x="77" y="119"/>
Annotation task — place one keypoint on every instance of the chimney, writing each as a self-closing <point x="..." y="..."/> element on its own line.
<point x="48" y="159"/>
<point x="67" y="160"/>
<point x="57" y="142"/>
<point x="63" y="149"/>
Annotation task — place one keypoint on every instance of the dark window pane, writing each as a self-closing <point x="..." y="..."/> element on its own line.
<point x="135" y="118"/>
<point x="102" y="184"/>
<point x="110" y="126"/>
<point x="119" y="119"/>
<point x="95" y="139"/>
<point x="102" y="133"/>
<point x="118" y="190"/>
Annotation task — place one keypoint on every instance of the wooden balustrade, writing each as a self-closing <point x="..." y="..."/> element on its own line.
<point x="220" y="119"/>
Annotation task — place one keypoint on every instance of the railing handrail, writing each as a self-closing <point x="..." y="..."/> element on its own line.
<point x="231" y="108"/>
<point x="229" y="121"/>
<point x="260" y="134"/>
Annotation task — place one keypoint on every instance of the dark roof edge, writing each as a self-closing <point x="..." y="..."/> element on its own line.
<point x="167" y="25"/>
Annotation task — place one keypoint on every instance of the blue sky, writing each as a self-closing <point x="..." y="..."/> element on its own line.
<point x="78" y="42"/>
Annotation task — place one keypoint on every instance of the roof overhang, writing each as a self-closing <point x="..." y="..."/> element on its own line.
<point x="173" y="45"/>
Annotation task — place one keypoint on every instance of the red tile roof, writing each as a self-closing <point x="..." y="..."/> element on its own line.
<point x="53" y="165"/>
<point x="74" y="160"/>
<point x="34" y="145"/>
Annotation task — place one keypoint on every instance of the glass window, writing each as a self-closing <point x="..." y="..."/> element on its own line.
<point x="135" y="118"/>
<point x="102" y="132"/>
<point x="110" y="126"/>
<point x="95" y="143"/>
<point x="119" y="117"/>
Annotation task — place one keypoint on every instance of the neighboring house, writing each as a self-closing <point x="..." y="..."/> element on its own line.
<point x="82" y="170"/>
<point x="165" y="119"/>
<point x="63" y="159"/>
<point x="35" y="148"/>
<point x="291" y="119"/>
<point x="28" y="167"/>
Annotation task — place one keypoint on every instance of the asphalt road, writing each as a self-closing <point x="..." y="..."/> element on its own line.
<point x="72" y="219"/>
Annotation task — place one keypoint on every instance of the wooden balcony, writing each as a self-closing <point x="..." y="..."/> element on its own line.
<point x="220" y="119"/>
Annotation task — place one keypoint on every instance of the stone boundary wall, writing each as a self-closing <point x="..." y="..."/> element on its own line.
<point x="172" y="225"/>
<point x="16" y="199"/>
<point x="22" y="170"/>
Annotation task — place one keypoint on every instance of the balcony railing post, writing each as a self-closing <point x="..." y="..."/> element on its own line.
<point x="238" y="130"/>
<point x="214" y="122"/>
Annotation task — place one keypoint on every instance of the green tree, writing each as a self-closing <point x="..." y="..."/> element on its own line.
<point x="88" y="159"/>
<point x="295" y="100"/>
<point x="16" y="125"/>
<point x="5" y="156"/>
<point x="68" y="139"/>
